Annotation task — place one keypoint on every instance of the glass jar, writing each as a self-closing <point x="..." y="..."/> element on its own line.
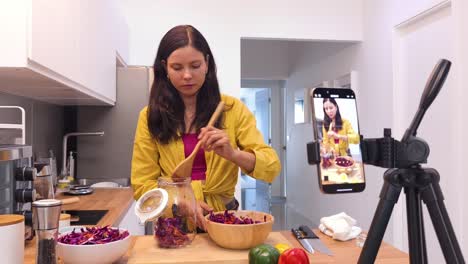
<point x="176" y="225"/>
<point x="44" y="187"/>
<point x="361" y="239"/>
<point x="43" y="183"/>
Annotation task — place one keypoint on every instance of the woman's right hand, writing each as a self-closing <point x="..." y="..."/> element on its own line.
<point x="332" y="134"/>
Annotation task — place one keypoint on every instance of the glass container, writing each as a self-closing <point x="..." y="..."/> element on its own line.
<point x="43" y="183"/>
<point x="170" y="211"/>
<point x="361" y="239"/>
<point x="44" y="187"/>
<point x="176" y="225"/>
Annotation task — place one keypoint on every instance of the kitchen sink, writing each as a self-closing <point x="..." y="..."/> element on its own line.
<point x="115" y="182"/>
<point x="85" y="217"/>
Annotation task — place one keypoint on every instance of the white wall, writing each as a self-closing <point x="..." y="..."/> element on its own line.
<point x="461" y="37"/>
<point x="374" y="62"/>
<point x="274" y="63"/>
<point x="223" y="23"/>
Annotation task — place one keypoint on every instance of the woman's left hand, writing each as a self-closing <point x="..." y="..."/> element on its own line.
<point x="216" y="140"/>
<point x="202" y="210"/>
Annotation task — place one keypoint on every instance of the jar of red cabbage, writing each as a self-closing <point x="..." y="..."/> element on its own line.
<point x="176" y="226"/>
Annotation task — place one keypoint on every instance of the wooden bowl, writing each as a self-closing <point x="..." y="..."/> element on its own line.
<point x="240" y="236"/>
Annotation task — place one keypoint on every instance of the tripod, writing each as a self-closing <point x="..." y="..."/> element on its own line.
<point x="404" y="159"/>
<point x="420" y="184"/>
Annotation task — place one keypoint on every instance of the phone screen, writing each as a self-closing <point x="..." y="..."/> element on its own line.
<point x="336" y="127"/>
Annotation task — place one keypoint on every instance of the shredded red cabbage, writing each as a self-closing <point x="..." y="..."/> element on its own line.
<point x="171" y="232"/>
<point x="230" y="218"/>
<point x="93" y="235"/>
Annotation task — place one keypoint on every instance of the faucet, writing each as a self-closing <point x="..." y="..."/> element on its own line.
<point x="65" y="139"/>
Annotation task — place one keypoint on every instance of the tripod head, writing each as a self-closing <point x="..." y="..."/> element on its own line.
<point x="432" y="89"/>
<point x="387" y="152"/>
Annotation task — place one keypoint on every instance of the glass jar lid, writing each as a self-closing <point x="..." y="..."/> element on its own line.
<point x="151" y="204"/>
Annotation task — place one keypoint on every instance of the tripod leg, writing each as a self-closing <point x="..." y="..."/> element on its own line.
<point x="388" y="198"/>
<point x="433" y="198"/>
<point x="416" y="239"/>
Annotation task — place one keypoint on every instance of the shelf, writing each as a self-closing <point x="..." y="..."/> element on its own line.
<point x="12" y="126"/>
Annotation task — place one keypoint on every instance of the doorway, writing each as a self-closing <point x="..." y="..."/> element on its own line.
<point x="265" y="99"/>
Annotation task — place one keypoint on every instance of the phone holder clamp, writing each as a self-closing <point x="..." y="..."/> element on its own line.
<point x="385" y="152"/>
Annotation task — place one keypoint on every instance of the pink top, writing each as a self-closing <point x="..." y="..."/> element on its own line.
<point x="199" y="164"/>
<point x="337" y="140"/>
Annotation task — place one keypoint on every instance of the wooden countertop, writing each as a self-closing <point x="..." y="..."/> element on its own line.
<point x="116" y="200"/>
<point x="203" y="250"/>
<point x="144" y="249"/>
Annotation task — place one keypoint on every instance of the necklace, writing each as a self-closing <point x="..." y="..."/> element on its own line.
<point x="189" y="115"/>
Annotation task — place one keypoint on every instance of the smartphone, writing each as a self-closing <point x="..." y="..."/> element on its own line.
<point x="335" y="122"/>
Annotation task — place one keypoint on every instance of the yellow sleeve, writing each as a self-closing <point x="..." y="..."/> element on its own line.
<point x="249" y="138"/>
<point x="145" y="160"/>
<point x="353" y="137"/>
<point x="325" y="139"/>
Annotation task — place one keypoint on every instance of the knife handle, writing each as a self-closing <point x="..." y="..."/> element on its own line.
<point x="297" y="233"/>
<point x="308" y="233"/>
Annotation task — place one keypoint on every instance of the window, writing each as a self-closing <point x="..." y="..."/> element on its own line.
<point x="298" y="110"/>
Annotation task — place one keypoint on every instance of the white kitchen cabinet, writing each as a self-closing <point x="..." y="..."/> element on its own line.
<point x="62" y="51"/>
<point x="131" y="223"/>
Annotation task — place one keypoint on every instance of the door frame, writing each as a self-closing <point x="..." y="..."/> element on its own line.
<point x="278" y="142"/>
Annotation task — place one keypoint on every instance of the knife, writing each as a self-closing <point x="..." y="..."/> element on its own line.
<point x="314" y="241"/>
<point x="300" y="237"/>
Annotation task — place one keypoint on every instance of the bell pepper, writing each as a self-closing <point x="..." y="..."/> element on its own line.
<point x="295" y="256"/>
<point x="263" y="254"/>
<point x="281" y="247"/>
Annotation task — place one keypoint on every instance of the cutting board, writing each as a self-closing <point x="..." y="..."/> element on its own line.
<point x="202" y="250"/>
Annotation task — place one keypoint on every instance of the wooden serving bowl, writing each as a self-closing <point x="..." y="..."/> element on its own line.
<point x="244" y="236"/>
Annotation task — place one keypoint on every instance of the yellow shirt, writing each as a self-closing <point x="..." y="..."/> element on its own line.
<point x="343" y="145"/>
<point x="152" y="159"/>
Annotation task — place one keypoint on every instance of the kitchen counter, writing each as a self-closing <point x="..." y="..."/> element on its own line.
<point x="203" y="250"/>
<point x="116" y="200"/>
<point x="143" y="249"/>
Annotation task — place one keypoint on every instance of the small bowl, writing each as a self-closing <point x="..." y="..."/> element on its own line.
<point x="93" y="254"/>
<point x="240" y="236"/>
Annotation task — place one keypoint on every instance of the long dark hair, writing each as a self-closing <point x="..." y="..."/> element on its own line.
<point x="166" y="108"/>
<point x="328" y="120"/>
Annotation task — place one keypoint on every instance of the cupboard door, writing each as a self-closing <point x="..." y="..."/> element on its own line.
<point x="13" y="33"/>
<point x="74" y="40"/>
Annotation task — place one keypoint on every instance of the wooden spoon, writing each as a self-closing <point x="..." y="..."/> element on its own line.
<point x="184" y="169"/>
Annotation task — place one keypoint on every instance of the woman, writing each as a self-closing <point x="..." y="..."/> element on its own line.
<point x="337" y="132"/>
<point x="184" y="95"/>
